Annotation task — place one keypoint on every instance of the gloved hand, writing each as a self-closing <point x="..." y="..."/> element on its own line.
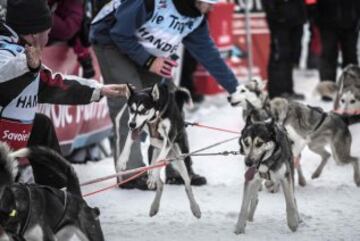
<point x="163" y="66"/>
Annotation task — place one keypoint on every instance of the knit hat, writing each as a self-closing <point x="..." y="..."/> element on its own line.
<point x="28" y="16"/>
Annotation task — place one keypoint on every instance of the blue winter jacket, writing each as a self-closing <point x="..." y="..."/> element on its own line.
<point x="119" y="29"/>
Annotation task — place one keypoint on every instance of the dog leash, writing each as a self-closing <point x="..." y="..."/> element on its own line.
<point x="161" y="163"/>
<point x="187" y="123"/>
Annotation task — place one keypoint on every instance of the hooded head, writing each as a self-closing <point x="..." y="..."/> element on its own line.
<point x="194" y="8"/>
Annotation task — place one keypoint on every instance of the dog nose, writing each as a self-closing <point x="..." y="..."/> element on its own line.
<point x="229" y="98"/>
<point x="132" y="125"/>
<point x="248" y="162"/>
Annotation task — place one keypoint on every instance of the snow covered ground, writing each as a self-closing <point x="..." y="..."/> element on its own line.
<point x="329" y="206"/>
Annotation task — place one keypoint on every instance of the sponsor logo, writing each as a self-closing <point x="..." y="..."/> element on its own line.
<point x="15" y="136"/>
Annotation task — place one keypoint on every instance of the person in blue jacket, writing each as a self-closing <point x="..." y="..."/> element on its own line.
<point x="133" y="41"/>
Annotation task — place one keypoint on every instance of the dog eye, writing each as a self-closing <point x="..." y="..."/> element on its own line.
<point x="259" y="144"/>
<point x="242" y="91"/>
<point x="246" y="143"/>
<point x="352" y="101"/>
<point x="342" y="101"/>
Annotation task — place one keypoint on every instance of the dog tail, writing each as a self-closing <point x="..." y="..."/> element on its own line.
<point x="182" y="97"/>
<point x="53" y="162"/>
<point x="350" y="119"/>
<point x="8" y="165"/>
<point x="327" y="88"/>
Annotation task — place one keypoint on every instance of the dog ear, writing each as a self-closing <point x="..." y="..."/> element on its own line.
<point x="130" y="90"/>
<point x="241" y="147"/>
<point x="250" y="106"/>
<point x="258" y="84"/>
<point x="155" y="92"/>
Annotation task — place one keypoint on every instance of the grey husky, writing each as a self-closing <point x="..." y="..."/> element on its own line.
<point x="315" y="128"/>
<point x="158" y="111"/>
<point x="346" y="91"/>
<point x="250" y="92"/>
<point x="268" y="156"/>
<point x="255" y="104"/>
<point x="34" y="212"/>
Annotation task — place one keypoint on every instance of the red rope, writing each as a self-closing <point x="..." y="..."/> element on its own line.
<point x="136" y="175"/>
<point x="212" y="128"/>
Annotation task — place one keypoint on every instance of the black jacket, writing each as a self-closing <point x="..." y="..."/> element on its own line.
<point x="338" y="13"/>
<point x="285" y="12"/>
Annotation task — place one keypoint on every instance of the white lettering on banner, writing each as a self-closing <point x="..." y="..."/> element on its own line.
<point x="254" y="5"/>
<point x="11" y="136"/>
<point x="62" y="116"/>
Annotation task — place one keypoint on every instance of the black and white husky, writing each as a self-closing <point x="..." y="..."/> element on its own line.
<point x="34" y="212"/>
<point x="158" y="111"/>
<point x="268" y="156"/>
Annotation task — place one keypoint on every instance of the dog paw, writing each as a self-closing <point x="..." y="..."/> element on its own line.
<point x="293" y="221"/>
<point x="293" y="226"/>
<point x="315" y="175"/>
<point x="357" y="182"/>
<point x="302" y="182"/>
<point x="239" y="229"/>
<point x="154" y="210"/>
<point x="195" y="209"/>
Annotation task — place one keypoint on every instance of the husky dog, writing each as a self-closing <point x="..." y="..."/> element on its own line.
<point x="251" y="92"/>
<point x="158" y="111"/>
<point x="268" y="156"/>
<point x="37" y="213"/>
<point x="346" y="92"/>
<point x="312" y="126"/>
<point x="255" y="103"/>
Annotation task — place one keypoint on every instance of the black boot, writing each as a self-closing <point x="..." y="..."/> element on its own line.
<point x="138" y="183"/>
<point x="172" y="177"/>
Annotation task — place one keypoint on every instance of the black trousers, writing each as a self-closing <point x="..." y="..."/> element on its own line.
<point x="188" y="69"/>
<point x="43" y="134"/>
<point x="333" y="39"/>
<point x="285" y="48"/>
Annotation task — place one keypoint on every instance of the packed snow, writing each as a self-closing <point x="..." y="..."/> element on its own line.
<point x="329" y="206"/>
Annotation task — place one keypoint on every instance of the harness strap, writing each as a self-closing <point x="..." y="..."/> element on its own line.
<point x="27" y="220"/>
<point x="60" y="222"/>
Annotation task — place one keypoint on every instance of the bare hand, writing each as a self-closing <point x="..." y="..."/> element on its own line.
<point x="114" y="90"/>
<point x="33" y="53"/>
<point x="163" y="66"/>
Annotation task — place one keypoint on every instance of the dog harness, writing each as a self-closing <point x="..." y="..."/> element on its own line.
<point x="18" y="230"/>
<point x="269" y="162"/>
<point x="322" y="119"/>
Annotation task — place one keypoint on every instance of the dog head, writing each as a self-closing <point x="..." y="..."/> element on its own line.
<point x="252" y="91"/>
<point x="255" y="115"/>
<point x="143" y="107"/>
<point x="350" y="101"/>
<point x="257" y="142"/>
<point x="279" y="108"/>
<point x="350" y="75"/>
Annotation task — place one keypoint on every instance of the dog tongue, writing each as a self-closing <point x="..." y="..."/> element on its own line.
<point x="250" y="173"/>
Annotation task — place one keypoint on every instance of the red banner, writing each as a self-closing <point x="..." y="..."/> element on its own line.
<point x="76" y="126"/>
